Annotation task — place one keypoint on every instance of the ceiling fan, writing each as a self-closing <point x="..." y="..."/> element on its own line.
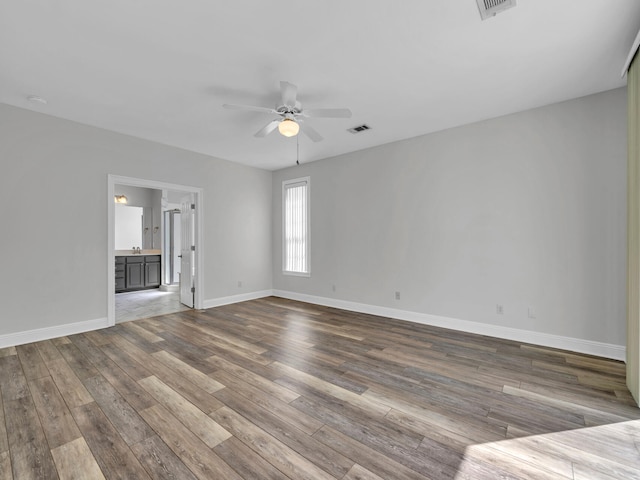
<point x="291" y="115"/>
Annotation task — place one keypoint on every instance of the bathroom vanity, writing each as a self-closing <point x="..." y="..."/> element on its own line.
<point x="137" y="271"/>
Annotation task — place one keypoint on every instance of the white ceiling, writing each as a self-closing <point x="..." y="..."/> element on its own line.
<point x="161" y="69"/>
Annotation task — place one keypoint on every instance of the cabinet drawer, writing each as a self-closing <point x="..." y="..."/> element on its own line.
<point x="139" y="259"/>
<point x="152" y="258"/>
<point x="120" y="260"/>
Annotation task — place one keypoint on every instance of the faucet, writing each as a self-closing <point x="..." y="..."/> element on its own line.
<point x="136" y="250"/>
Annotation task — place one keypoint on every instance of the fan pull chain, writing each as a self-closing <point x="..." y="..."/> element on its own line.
<point x="297" y="149"/>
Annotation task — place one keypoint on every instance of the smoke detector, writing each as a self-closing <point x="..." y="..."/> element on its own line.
<point x="490" y="8"/>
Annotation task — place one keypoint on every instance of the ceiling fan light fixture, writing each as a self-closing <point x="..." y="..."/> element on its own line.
<point x="288" y="127"/>
<point x="120" y="199"/>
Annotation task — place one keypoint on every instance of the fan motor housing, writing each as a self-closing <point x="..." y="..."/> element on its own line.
<point x="295" y="110"/>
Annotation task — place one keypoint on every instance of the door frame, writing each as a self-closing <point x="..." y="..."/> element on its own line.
<point x="113" y="180"/>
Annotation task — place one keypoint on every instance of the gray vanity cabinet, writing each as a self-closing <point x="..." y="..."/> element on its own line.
<point x="137" y="272"/>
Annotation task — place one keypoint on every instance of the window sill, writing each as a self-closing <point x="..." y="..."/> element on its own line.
<point x="296" y="274"/>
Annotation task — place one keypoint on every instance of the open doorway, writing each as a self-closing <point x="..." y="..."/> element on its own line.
<point x="164" y="272"/>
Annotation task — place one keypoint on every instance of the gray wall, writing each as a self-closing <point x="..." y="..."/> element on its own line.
<point x="523" y="210"/>
<point x="53" y="187"/>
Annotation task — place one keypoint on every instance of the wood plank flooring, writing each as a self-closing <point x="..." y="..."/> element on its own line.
<point x="277" y="389"/>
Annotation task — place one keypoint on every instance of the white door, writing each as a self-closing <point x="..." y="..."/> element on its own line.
<point x="187" y="251"/>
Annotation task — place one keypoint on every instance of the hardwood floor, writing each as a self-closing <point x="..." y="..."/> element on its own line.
<point x="277" y="389"/>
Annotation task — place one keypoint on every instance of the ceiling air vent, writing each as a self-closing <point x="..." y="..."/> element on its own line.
<point x="359" y="128"/>
<point x="489" y="8"/>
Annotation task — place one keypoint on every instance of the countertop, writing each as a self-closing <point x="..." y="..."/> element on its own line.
<point x="129" y="253"/>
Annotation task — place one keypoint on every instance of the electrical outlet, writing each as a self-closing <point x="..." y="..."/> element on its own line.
<point x="333" y="287"/>
<point x="239" y="283"/>
<point x="499" y="309"/>
<point x="397" y="295"/>
<point x="531" y="312"/>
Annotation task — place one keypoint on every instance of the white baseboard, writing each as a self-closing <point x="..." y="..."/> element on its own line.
<point x="243" y="297"/>
<point x="616" y="352"/>
<point x="606" y="350"/>
<point x="39" y="334"/>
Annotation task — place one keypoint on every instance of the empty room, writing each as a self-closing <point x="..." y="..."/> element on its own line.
<point x="287" y="239"/>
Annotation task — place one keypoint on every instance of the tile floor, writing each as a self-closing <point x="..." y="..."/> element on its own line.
<point x="146" y="303"/>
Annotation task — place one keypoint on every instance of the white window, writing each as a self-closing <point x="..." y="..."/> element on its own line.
<point x="295" y="231"/>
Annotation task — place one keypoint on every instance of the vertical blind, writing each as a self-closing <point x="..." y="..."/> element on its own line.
<point x="296" y="227"/>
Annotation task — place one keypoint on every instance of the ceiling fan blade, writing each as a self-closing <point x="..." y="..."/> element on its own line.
<point x="327" y="113"/>
<point x="310" y="132"/>
<point x="267" y="129"/>
<point x="289" y="93"/>
<point x="249" y="107"/>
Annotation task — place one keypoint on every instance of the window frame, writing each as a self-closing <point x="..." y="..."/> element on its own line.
<point x="285" y="185"/>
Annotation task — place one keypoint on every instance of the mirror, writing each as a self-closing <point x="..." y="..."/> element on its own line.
<point x="129" y="226"/>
